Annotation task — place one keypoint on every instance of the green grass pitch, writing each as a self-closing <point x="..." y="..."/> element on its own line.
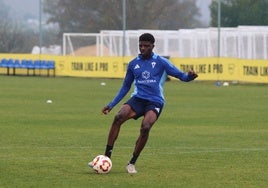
<point x="207" y="136"/>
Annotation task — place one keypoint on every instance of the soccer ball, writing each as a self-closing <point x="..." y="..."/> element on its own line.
<point x="102" y="164"/>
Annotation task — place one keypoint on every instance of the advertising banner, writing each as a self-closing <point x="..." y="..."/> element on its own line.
<point x="220" y="69"/>
<point x="226" y="69"/>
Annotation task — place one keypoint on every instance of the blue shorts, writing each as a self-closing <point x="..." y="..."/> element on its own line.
<point x="141" y="106"/>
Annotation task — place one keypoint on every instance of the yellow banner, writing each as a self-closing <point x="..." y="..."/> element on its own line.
<point x="105" y="67"/>
<point x="226" y="69"/>
<point x="222" y="69"/>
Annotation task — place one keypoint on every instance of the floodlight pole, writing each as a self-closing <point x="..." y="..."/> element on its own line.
<point x="40" y="27"/>
<point x="124" y="28"/>
<point x="219" y="28"/>
<point x="219" y="39"/>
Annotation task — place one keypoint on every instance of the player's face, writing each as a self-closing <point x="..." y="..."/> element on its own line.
<point x="146" y="48"/>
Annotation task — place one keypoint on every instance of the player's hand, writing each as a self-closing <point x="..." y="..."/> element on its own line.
<point x="106" y="110"/>
<point x="192" y="74"/>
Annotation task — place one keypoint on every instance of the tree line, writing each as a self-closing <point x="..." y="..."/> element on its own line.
<point x="89" y="16"/>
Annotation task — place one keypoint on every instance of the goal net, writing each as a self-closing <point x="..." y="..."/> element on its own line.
<point x="245" y="42"/>
<point x="81" y="44"/>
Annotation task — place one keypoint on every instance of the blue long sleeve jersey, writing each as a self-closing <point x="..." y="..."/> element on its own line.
<point x="149" y="76"/>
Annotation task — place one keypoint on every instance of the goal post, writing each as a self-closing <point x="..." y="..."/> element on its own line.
<point x="245" y="42"/>
<point x="77" y="44"/>
<point x="105" y="43"/>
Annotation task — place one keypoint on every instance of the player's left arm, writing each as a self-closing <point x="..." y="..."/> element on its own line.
<point x="172" y="70"/>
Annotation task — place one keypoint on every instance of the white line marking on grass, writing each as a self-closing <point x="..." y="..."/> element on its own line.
<point x="193" y="149"/>
<point x="177" y="149"/>
<point x="209" y="150"/>
<point x="149" y="151"/>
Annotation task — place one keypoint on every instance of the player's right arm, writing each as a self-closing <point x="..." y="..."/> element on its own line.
<point x="129" y="78"/>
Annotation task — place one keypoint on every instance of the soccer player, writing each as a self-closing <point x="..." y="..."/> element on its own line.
<point x="148" y="71"/>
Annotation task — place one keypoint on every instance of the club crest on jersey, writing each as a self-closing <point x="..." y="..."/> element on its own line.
<point x="153" y="64"/>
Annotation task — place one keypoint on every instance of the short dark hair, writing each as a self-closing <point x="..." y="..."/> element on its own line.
<point x="147" y="37"/>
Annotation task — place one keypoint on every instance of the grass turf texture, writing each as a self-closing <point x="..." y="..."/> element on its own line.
<point x="207" y="136"/>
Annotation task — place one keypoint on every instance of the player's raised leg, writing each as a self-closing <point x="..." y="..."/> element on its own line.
<point x="123" y="115"/>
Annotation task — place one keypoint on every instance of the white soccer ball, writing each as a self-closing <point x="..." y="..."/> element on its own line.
<point x="102" y="164"/>
<point x="225" y="83"/>
<point x="103" y="83"/>
<point x="49" y="101"/>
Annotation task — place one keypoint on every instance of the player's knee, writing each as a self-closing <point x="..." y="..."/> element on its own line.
<point x="119" y="118"/>
<point x="145" y="130"/>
